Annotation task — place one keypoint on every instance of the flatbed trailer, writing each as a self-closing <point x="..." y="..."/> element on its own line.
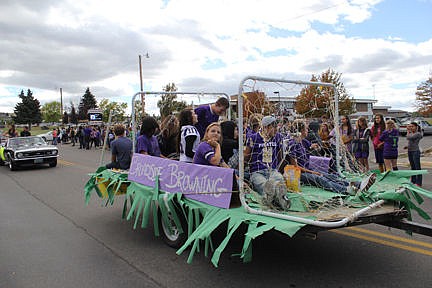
<point x="186" y="218"/>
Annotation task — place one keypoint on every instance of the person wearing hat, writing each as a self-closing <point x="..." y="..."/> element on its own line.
<point x="264" y="153"/>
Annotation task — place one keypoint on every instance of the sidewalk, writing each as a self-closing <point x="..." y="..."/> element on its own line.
<point x="425" y="159"/>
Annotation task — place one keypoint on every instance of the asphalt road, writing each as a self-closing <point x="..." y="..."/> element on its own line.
<point x="49" y="238"/>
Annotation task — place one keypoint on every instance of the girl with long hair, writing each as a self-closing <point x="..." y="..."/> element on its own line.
<point x="189" y="137"/>
<point x="377" y="129"/>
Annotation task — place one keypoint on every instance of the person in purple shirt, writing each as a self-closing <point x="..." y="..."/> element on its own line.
<point x="210" y="113"/>
<point x="299" y="155"/>
<point x="390" y="137"/>
<point x="147" y="142"/>
<point x="208" y="151"/>
<point x="264" y="153"/>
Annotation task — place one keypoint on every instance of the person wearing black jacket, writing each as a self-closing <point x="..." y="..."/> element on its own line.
<point x="25" y="132"/>
<point x="229" y="143"/>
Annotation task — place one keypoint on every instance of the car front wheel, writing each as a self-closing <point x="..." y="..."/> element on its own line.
<point x="12" y="165"/>
<point x="53" y="163"/>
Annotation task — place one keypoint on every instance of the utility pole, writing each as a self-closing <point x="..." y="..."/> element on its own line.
<point x="141" y="82"/>
<point x="61" y="102"/>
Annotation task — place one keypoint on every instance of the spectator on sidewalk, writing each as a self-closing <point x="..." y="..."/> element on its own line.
<point x="414" y="136"/>
<point x="360" y="143"/>
<point x="378" y="128"/>
<point x="390" y="137"/>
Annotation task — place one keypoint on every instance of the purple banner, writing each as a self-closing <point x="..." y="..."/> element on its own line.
<point x="208" y="184"/>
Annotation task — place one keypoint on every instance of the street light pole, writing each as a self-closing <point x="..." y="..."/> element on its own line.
<point x="141" y="82"/>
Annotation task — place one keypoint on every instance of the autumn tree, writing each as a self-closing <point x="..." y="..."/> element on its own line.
<point x="118" y="110"/>
<point x="424" y="97"/>
<point x="168" y="103"/>
<point x="315" y="101"/>
<point x="88" y="101"/>
<point x="28" y="110"/>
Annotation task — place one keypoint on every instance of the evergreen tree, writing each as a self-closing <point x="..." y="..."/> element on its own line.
<point x="168" y="102"/>
<point x="65" y="118"/>
<point x="88" y="101"/>
<point x="28" y="110"/>
<point x="424" y="97"/>
<point x="314" y="101"/>
<point x="73" y="115"/>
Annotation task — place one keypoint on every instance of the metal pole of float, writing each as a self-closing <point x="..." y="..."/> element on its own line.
<point x="106" y="138"/>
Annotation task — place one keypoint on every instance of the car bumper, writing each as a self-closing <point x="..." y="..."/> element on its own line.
<point x="35" y="161"/>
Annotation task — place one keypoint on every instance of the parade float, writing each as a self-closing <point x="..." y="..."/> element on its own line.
<point x="187" y="203"/>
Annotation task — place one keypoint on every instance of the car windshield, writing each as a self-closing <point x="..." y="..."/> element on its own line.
<point x="26" y="141"/>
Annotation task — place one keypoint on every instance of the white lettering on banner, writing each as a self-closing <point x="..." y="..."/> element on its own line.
<point x="150" y="171"/>
<point x="187" y="183"/>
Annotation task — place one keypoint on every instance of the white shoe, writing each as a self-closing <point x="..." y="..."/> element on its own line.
<point x="367" y="182"/>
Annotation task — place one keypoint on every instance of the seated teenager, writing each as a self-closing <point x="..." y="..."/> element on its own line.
<point x="230" y="140"/>
<point x="209" y="150"/>
<point x="189" y="135"/>
<point x="264" y="153"/>
<point x="298" y="155"/>
<point x="147" y="142"/>
<point x="121" y="150"/>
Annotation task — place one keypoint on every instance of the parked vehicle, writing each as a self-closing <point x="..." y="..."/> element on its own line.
<point x="426" y="128"/>
<point x="47" y="137"/>
<point x="28" y="151"/>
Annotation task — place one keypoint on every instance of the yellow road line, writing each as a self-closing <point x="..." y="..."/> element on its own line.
<point x="392" y="237"/>
<point x="66" y="163"/>
<point x="384" y="242"/>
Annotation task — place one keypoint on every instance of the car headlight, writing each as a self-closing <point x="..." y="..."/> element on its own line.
<point x="19" y="155"/>
<point x="54" y="152"/>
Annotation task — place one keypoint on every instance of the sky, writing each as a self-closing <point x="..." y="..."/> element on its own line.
<point x="382" y="48"/>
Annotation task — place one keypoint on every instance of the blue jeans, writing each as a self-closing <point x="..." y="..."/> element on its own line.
<point x="414" y="159"/>
<point x="325" y="181"/>
<point x="259" y="178"/>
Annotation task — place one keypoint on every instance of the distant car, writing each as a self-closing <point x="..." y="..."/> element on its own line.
<point x="426" y="128"/>
<point x="48" y="136"/>
<point x="396" y="120"/>
<point x="28" y="151"/>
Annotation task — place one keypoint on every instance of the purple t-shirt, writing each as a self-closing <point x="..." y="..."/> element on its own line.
<point x="390" y="139"/>
<point x="205" y="118"/>
<point x="264" y="155"/>
<point x="300" y="152"/>
<point x="203" y="154"/>
<point x="149" y="145"/>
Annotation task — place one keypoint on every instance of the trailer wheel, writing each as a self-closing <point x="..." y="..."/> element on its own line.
<point x="172" y="237"/>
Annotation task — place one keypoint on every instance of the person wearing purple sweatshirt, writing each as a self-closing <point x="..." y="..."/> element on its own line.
<point x="208" y="114"/>
<point x="390" y="137"/>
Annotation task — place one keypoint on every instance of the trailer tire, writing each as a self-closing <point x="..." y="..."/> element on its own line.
<point x="172" y="237"/>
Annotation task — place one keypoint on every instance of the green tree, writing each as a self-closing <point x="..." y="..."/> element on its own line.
<point x="314" y="101"/>
<point x="65" y="118"/>
<point x="424" y="97"/>
<point x="118" y="110"/>
<point x="88" y="101"/>
<point x="168" y="102"/>
<point x="51" y="111"/>
<point x="138" y="111"/>
<point x="28" y="110"/>
<point x="73" y="117"/>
